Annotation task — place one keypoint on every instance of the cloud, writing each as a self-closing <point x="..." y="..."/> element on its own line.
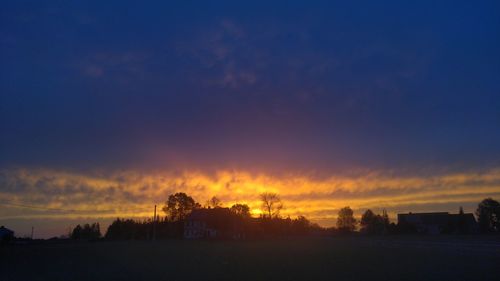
<point x="225" y="50"/>
<point x="119" y="65"/>
<point x="132" y="193"/>
<point x="93" y="70"/>
<point x="242" y="57"/>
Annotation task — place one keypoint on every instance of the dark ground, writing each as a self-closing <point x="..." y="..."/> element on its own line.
<point x="340" y="258"/>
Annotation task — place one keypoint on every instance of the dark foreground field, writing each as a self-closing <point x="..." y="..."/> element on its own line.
<point x="342" y="258"/>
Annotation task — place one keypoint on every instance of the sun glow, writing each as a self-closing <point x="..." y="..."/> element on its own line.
<point x="131" y="193"/>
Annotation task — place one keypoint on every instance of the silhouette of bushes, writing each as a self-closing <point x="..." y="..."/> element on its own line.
<point x="127" y="229"/>
<point x="87" y="232"/>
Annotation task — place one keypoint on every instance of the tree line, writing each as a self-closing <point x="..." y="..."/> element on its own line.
<point x="487" y="214"/>
<point x="179" y="206"/>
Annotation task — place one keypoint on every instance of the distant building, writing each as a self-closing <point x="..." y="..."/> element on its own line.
<point x="216" y="223"/>
<point x="6" y="234"/>
<point x="438" y="222"/>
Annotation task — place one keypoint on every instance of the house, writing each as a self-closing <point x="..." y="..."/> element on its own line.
<point x="216" y="223"/>
<point x="6" y="234"/>
<point x="438" y="222"/>
<point x="463" y="223"/>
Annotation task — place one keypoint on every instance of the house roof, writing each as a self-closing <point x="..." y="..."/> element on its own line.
<point x="426" y="218"/>
<point x="215" y="217"/>
<point x="435" y="218"/>
<point x="468" y="218"/>
<point x="5" y="231"/>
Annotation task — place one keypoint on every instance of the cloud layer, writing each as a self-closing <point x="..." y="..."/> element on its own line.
<point x="255" y="86"/>
<point x="327" y="103"/>
<point x="101" y="195"/>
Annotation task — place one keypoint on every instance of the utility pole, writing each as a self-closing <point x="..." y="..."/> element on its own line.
<point x="154" y="225"/>
<point x="32" y="230"/>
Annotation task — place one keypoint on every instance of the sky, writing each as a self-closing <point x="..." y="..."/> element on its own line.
<point x="108" y="107"/>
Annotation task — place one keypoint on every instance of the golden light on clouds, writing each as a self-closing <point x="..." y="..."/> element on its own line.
<point x="62" y="194"/>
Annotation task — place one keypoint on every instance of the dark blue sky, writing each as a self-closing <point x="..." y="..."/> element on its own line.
<point x="279" y="86"/>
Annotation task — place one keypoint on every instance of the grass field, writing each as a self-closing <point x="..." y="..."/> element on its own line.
<point x="342" y="258"/>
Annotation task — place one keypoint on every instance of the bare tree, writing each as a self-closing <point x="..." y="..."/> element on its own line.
<point x="214" y="202"/>
<point x="271" y="204"/>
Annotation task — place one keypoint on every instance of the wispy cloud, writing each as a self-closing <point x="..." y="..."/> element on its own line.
<point x="116" y="65"/>
<point x="227" y="52"/>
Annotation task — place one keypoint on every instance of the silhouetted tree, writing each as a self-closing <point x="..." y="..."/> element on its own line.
<point x="77" y="232"/>
<point x="346" y="221"/>
<point x="179" y="206"/>
<point x="214" y="202"/>
<point x="127" y="229"/>
<point x="392" y="228"/>
<point x="122" y="230"/>
<point x="385" y="219"/>
<point x="301" y="225"/>
<point x="271" y="204"/>
<point x="368" y="222"/>
<point x="488" y="215"/>
<point x="374" y="224"/>
<point x="241" y="210"/>
<point x="96" y="231"/>
<point x="90" y="232"/>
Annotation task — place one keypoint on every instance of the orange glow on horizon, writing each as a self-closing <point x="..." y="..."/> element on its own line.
<point x="132" y="194"/>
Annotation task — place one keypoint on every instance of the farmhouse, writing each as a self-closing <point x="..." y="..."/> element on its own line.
<point x="213" y="223"/>
<point x="5" y="234"/>
<point x="438" y="222"/>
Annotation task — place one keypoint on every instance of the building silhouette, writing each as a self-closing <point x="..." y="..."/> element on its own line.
<point x="438" y="223"/>
<point x="6" y="234"/>
<point x="213" y="223"/>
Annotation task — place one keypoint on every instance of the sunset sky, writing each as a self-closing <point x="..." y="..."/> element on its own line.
<point x="107" y="107"/>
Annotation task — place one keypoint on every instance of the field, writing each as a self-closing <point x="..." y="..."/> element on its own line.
<point x="340" y="258"/>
